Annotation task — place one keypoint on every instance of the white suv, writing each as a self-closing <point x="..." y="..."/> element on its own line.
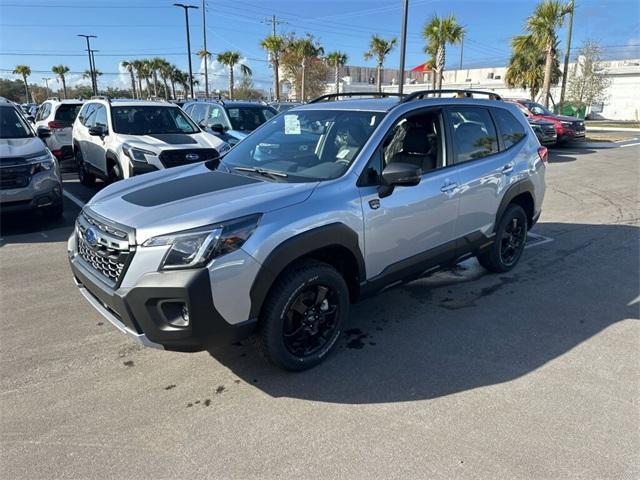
<point x="58" y="116"/>
<point x="118" y="139"/>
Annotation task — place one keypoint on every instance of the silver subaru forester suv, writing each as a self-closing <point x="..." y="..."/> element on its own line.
<point x="321" y="206"/>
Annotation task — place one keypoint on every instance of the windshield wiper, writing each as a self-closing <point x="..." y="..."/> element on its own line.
<point x="261" y="171"/>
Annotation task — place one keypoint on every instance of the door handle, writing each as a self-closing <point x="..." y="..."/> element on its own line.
<point x="448" y="187"/>
<point x="508" y="168"/>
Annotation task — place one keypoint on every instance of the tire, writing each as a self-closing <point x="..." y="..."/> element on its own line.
<point x="115" y="172"/>
<point x="510" y="240"/>
<point x="55" y="211"/>
<point x="87" y="179"/>
<point x="300" y="288"/>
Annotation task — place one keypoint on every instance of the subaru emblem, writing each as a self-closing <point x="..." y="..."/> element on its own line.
<point x="91" y="236"/>
<point x="192" y="157"/>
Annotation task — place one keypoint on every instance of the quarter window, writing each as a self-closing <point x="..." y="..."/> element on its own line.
<point x="511" y="130"/>
<point x="474" y="135"/>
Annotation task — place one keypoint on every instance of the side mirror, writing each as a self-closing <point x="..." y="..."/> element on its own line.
<point x="31" y="119"/>
<point x="217" y="128"/>
<point x="43" y="132"/>
<point x="399" y="175"/>
<point x="97" y="131"/>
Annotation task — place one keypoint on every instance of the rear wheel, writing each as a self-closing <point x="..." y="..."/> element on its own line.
<point x="303" y="316"/>
<point x="86" y="178"/>
<point x="511" y="236"/>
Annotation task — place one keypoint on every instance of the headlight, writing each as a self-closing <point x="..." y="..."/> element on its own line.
<point x="42" y="162"/>
<point x="136" y="154"/>
<point x="195" y="248"/>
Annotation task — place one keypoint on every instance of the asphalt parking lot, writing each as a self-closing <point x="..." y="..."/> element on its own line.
<point x="532" y="374"/>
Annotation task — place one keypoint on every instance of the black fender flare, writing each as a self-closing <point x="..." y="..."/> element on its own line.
<point x="521" y="186"/>
<point x="331" y="235"/>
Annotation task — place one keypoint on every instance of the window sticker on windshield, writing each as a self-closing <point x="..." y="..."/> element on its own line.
<point x="291" y="125"/>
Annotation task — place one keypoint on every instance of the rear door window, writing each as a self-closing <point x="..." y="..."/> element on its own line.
<point x="511" y="131"/>
<point x="474" y="135"/>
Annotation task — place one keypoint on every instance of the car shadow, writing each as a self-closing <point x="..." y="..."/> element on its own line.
<point x="465" y="328"/>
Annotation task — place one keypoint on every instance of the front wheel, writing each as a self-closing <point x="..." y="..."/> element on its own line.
<point x="303" y="316"/>
<point x="511" y="236"/>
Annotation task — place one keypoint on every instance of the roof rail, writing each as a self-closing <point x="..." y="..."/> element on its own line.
<point x="55" y="99"/>
<point x="101" y="97"/>
<point x="331" y="96"/>
<point x="420" y="94"/>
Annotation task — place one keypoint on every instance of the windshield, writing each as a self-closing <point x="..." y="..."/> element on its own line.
<point x="151" y="120"/>
<point x="12" y="125"/>
<point x="248" y="118"/>
<point x="67" y="112"/>
<point x="308" y="145"/>
<point x="537" y="109"/>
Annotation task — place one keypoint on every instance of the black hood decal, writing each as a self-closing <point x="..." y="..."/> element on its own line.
<point x="185" y="187"/>
<point x="174" y="138"/>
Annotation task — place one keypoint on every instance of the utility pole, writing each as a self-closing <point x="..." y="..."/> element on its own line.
<point x="206" y="53"/>
<point x="186" y="17"/>
<point x="565" y="69"/>
<point x="273" y="23"/>
<point x="94" y="74"/>
<point x="461" y="52"/>
<point x="403" y="46"/>
<point x="91" y="66"/>
<point x="46" y="82"/>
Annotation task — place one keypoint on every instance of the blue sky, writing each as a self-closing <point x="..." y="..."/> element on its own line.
<point x="42" y="33"/>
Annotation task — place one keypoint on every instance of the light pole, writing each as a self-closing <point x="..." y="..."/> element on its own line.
<point x="403" y="43"/>
<point x="91" y="66"/>
<point x="206" y="56"/>
<point x="565" y="69"/>
<point x="186" y="17"/>
<point x="94" y="74"/>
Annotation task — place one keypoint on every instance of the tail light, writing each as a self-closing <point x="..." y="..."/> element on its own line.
<point x="53" y="125"/>
<point x="543" y="153"/>
<point x="57" y="154"/>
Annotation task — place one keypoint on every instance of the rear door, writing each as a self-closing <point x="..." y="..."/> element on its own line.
<point x="484" y="171"/>
<point x="415" y="224"/>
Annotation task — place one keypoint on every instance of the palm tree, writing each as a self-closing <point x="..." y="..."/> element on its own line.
<point x="61" y="71"/>
<point x="96" y="73"/>
<point x="337" y="60"/>
<point x="25" y="71"/>
<point x="146" y="75"/>
<point x="231" y="59"/>
<point x="129" y="67"/>
<point x="379" y="48"/>
<point x="174" y="78"/>
<point x="439" y="32"/>
<point x="305" y="49"/>
<point x="165" y="73"/>
<point x="155" y="64"/>
<point x="205" y="55"/>
<point x="138" y="66"/>
<point x="526" y="66"/>
<point x="542" y="25"/>
<point x="274" y="44"/>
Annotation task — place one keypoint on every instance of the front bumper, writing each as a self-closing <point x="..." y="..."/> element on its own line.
<point x="44" y="190"/>
<point x="148" y="311"/>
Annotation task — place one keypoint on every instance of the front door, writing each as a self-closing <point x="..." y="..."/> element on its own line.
<point x="415" y="224"/>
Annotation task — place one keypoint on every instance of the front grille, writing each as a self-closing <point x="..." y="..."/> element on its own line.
<point x="15" y="173"/>
<point x="175" y="158"/>
<point x="578" y="125"/>
<point x="549" y="130"/>
<point x="106" y="248"/>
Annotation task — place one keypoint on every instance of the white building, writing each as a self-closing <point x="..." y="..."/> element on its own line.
<point x="622" y="99"/>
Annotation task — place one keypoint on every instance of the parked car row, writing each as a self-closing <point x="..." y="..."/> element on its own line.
<point x="322" y="205"/>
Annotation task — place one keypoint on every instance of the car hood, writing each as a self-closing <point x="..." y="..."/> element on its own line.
<point x="540" y="121"/>
<point x="559" y="118"/>
<point x="166" y="141"/>
<point x="191" y="196"/>
<point x="20" y="147"/>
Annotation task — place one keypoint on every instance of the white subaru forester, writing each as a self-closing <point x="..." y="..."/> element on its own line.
<point x="117" y="139"/>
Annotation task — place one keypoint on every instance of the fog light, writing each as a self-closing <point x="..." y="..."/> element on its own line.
<point x="176" y="314"/>
<point x="185" y="314"/>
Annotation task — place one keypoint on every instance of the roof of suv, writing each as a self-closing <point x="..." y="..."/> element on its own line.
<point x="127" y="102"/>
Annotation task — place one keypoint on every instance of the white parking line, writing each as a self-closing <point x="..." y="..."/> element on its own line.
<point x="630" y="145"/>
<point x="73" y="198"/>
<point x="539" y="240"/>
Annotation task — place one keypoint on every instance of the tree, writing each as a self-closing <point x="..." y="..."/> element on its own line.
<point x="165" y="72"/>
<point x="588" y="85"/>
<point x="205" y="55"/>
<point x="274" y="44"/>
<point x="302" y="67"/>
<point x="25" y="71"/>
<point x="246" y="89"/>
<point x="337" y="60"/>
<point x="129" y="66"/>
<point x="541" y="25"/>
<point x="96" y="73"/>
<point x="438" y="32"/>
<point x="379" y="48"/>
<point x="231" y="59"/>
<point x="305" y="49"/>
<point x="138" y="66"/>
<point x="175" y="77"/>
<point x="526" y="66"/>
<point x="155" y="64"/>
<point x="61" y="71"/>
